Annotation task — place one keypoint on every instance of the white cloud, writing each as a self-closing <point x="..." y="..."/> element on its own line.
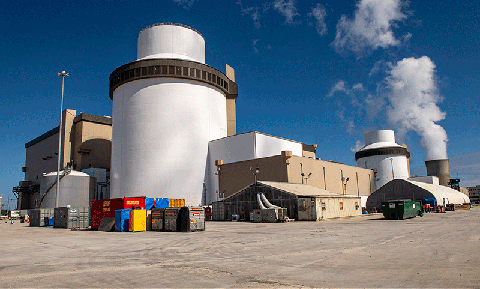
<point x="371" y="27"/>
<point x="413" y="97"/>
<point x="254" y="45"/>
<point x="374" y="104"/>
<point x="358" y="86"/>
<point x="377" y="67"/>
<point x="338" y="87"/>
<point x="185" y="3"/>
<point x="319" y="13"/>
<point x="341" y="87"/>
<point x="287" y="9"/>
<point x="253" y="12"/>
<point x="358" y="145"/>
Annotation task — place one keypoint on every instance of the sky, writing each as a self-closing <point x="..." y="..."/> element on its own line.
<point x="319" y="72"/>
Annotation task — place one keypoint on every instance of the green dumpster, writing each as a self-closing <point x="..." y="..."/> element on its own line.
<point x="401" y="209"/>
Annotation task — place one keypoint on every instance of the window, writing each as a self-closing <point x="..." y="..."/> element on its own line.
<point x="324" y="208"/>
<point x="341" y="206"/>
<point x="185" y="71"/>
<point x="356" y="206"/>
<point x="171" y="70"/>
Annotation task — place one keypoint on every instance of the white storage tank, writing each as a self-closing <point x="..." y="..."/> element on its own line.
<point x="381" y="153"/>
<point x="77" y="189"/>
<point x="167" y="106"/>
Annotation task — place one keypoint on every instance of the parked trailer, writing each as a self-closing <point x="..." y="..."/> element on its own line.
<point x="401" y="209"/>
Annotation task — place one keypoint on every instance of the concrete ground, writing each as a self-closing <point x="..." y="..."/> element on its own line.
<point x="437" y="250"/>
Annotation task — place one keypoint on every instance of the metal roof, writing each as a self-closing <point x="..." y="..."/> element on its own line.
<point x="441" y="192"/>
<point x="302" y="190"/>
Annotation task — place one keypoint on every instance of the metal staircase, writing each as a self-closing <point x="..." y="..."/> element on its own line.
<point x="39" y="202"/>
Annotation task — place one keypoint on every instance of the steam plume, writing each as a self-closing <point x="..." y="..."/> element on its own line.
<point x="413" y="98"/>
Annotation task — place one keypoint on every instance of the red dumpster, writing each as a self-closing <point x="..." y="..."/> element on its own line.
<point x="107" y="208"/>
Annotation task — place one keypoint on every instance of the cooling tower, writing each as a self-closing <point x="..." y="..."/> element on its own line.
<point x="167" y="106"/>
<point x="440" y="169"/>
<point x="381" y="153"/>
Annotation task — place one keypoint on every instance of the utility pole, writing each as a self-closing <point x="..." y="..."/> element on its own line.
<point x="57" y="197"/>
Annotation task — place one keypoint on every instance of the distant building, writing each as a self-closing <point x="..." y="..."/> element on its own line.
<point x="474" y="194"/>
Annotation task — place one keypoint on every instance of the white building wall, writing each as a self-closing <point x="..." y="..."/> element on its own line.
<point x="171" y="41"/>
<point x="243" y="147"/>
<point x="161" y="130"/>
<point x="267" y="146"/>
<point x="388" y="167"/>
<point x="426" y="179"/>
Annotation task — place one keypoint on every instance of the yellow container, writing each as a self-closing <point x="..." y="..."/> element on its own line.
<point x="138" y="220"/>
<point x="176" y="203"/>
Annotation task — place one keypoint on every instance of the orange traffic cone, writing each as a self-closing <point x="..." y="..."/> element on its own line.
<point x="11" y="221"/>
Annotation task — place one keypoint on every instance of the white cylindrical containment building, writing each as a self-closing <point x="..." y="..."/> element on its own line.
<point x="167" y="106"/>
<point x="381" y="153"/>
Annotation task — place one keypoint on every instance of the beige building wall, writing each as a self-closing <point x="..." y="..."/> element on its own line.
<point x="92" y="142"/>
<point x="320" y="208"/>
<point x="235" y="176"/>
<point x="328" y="176"/>
<point x="42" y="152"/>
<point x="41" y="157"/>
<point x="339" y="207"/>
<point x="324" y="175"/>
<point x="68" y="117"/>
<point x="86" y="142"/>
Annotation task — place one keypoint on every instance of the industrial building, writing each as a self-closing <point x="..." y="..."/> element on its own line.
<point x="474" y="194"/>
<point x="389" y="159"/>
<point x="167" y="106"/>
<point x="85" y="146"/>
<point x="416" y="191"/>
<point x="282" y="160"/>
<point x="303" y="202"/>
<point x="173" y="135"/>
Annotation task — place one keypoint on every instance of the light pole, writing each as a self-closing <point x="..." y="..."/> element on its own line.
<point x="255" y="172"/>
<point x="62" y="74"/>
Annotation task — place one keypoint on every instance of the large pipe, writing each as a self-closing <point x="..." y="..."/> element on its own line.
<point x="264" y="199"/>
<point x="440" y="169"/>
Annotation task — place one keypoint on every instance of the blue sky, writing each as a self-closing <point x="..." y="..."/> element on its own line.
<point x="319" y="72"/>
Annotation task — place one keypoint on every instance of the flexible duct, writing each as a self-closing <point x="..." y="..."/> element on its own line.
<point x="260" y="203"/>
<point x="268" y="203"/>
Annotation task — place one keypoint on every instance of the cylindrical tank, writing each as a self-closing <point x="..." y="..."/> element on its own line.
<point x="164" y="114"/>
<point x="381" y="153"/>
<point x="377" y="136"/>
<point x="440" y="169"/>
<point x="171" y="41"/>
